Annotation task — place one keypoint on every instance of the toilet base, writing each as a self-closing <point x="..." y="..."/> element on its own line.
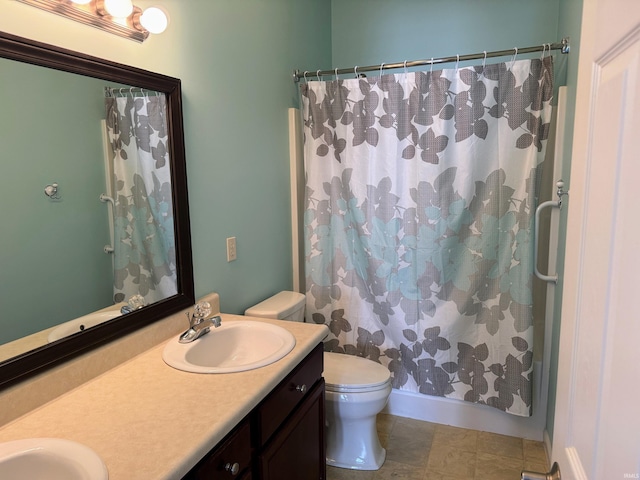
<point x="371" y="466"/>
<point x="354" y="444"/>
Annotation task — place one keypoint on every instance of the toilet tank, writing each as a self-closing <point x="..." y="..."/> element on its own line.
<point x="283" y="306"/>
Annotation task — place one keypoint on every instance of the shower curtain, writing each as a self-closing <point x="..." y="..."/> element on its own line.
<point x="420" y="195"/>
<point x="144" y="246"/>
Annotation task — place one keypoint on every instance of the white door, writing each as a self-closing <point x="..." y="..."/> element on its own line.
<point x="597" y="423"/>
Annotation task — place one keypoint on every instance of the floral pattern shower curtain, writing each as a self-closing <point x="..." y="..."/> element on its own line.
<point x="420" y="195"/>
<point x="144" y="246"/>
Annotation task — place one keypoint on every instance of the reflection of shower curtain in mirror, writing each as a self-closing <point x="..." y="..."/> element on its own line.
<point x="144" y="247"/>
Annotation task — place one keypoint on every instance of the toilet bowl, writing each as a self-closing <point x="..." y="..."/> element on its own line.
<point x="356" y="390"/>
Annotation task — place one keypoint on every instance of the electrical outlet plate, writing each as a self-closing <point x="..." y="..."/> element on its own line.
<point x="232" y="253"/>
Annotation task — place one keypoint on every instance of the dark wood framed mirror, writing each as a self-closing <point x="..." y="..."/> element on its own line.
<point x="37" y="360"/>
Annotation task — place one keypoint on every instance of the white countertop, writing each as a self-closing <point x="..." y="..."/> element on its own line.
<point x="149" y="421"/>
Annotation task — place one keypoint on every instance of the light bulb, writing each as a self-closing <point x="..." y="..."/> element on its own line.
<point x="154" y="20"/>
<point x="118" y="8"/>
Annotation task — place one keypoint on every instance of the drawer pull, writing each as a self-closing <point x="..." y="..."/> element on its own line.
<point x="232" y="468"/>
<point x="301" y="388"/>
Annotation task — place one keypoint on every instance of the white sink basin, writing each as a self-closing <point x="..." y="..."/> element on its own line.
<point x="50" y="459"/>
<point x="81" y="323"/>
<point x="235" y="346"/>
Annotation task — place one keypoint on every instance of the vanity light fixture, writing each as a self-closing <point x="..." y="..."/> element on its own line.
<point x="120" y="17"/>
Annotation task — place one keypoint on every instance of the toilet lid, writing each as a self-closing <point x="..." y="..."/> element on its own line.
<point x="348" y="371"/>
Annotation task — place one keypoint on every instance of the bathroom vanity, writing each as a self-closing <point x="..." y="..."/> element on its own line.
<point x="149" y="421"/>
<point x="283" y="437"/>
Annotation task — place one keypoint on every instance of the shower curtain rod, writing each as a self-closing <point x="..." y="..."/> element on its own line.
<point x="564" y="46"/>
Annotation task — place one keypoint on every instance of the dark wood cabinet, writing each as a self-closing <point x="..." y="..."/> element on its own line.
<point x="282" y="438"/>
<point x="231" y="459"/>
<point x="297" y="450"/>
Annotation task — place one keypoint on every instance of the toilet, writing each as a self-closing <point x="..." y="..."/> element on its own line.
<point x="356" y="390"/>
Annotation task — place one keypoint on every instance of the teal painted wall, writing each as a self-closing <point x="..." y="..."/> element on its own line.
<point x="236" y="93"/>
<point x="52" y="251"/>
<point x="235" y="60"/>
<point x="368" y="32"/>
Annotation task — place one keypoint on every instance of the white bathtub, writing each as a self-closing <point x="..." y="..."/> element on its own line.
<point x="82" y="323"/>
<point x="474" y="416"/>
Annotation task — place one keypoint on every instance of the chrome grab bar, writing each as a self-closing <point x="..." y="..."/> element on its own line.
<point x="551" y="203"/>
<point x="104" y="198"/>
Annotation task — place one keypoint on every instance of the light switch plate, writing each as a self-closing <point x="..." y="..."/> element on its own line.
<point x="232" y="253"/>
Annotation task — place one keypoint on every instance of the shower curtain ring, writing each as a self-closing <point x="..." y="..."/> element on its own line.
<point x="355" y="71"/>
<point x="457" y="61"/>
<point x="318" y="75"/>
<point x="431" y="69"/>
<point x="337" y="78"/>
<point x="381" y="67"/>
<point x="484" y="62"/>
<point x="514" y="57"/>
<point x="306" y="80"/>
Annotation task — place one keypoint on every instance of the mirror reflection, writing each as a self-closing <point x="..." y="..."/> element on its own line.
<point x="102" y="244"/>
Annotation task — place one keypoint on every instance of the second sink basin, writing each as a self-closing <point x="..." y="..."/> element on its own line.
<point x="50" y="459"/>
<point x="235" y="346"/>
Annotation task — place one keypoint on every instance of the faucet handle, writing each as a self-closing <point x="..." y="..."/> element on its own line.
<point x="202" y="309"/>
<point x="200" y="312"/>
<point x="136" y="302"/>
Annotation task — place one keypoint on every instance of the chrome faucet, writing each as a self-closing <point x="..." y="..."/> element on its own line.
<point x="198" y="324"/>
<point x="136" y="302"/>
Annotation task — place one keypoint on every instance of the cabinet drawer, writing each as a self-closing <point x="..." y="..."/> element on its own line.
<point x="272" y="412"/>
<point x="235" y="449"/>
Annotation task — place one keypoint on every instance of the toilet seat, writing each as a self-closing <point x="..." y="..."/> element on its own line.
<point x="350" y="374"/>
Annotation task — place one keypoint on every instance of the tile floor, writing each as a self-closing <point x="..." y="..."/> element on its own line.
<point x="418" y="450"/>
